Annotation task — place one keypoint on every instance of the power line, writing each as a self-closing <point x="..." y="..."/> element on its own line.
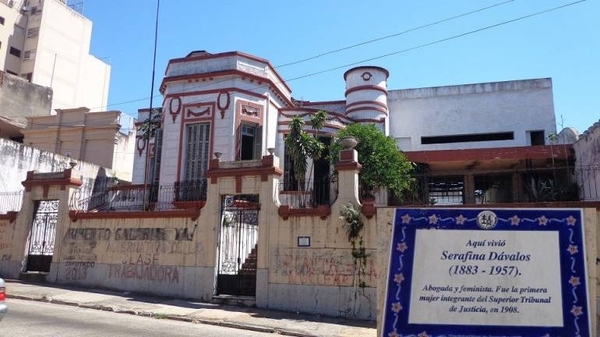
<point x="438" y="41"/>
<point x="393" y="35"/>
<point x="344" y="48"/>
<point x="419" y="46"/>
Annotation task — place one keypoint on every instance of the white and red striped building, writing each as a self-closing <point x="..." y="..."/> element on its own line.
<point x="237" y="106"/>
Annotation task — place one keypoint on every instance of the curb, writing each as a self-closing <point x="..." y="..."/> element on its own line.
<point x="181" y="318"/>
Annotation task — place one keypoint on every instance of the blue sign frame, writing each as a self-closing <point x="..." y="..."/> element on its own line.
<point x="573" y="279"/>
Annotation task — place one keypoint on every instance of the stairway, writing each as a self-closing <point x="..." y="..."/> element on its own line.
<point x="247" y="274"/>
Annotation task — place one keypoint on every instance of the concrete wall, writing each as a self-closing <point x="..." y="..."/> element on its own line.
<point x="321" y="278"/>
<point x="18" y="159"/>
<point x="587" y="156"/>
<point x="163" y="256"/>
<point x="176" y="255"/>
<point x="512" y="106"/>
<point x="85" y="136"/>
<point x="20" y="99"/>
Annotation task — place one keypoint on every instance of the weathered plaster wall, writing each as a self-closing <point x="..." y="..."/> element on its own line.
<point x="511" y="106"/>
<point x="13" y="249"/>
<point x="86" y="136"/>
<point x="163" y="256"/>
<point x="18" y="159"/>
<point x="587" y="155"/>
<point x="321" y="278"/>
<point x="176" y="256"/>
<point x="20" y="99"/>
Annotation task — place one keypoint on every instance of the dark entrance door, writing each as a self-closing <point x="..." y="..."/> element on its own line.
<point x="42" y="236"/>
<point x="238" y="244"/>
<point x="322" y="181"/>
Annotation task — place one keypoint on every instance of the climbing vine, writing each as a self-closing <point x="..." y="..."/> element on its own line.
<point x="353" y="223"/>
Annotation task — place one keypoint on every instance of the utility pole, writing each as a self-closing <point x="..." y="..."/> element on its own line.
<point x="147" y="145"/>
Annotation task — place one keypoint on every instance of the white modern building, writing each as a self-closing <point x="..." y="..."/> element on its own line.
<point x="483" y="140"/>
<point x="48" y="43"/>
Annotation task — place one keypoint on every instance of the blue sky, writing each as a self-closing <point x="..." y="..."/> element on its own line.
<point x="563" y="44"/>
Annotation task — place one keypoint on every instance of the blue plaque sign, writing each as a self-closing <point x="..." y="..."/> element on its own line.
<point x="487" y="273"/>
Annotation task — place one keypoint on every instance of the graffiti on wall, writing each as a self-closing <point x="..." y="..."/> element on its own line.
<point x="5" y="242"/>
<point x="77" y="271"/>
<point x="144" y="272"/>
<point x="131" y="253"/>
<point x="319" y="267"/>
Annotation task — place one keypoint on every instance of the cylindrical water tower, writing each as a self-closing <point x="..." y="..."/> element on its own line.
<point x="366" y="95"/>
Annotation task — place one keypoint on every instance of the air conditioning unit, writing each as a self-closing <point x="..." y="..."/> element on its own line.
<point x="24" y="9"/>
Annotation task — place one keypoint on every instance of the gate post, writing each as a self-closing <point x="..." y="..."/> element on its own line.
<point x="268" y="216"/>
<point x="245" y="177"/>
<point x="348" y="168"/>
<point x="44" y="186"/>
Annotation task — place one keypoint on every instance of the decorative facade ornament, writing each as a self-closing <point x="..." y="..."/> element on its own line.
<point x="250" y="111"/>
<point x="175" y="107"/>
<point x="140" y="144"/>
<point x="199" y="112"/>
<point x="223" y="102"/>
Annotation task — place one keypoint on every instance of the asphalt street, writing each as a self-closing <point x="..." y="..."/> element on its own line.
<point x="37" y="319"/>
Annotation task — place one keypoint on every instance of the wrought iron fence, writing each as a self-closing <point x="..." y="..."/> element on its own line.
<point x="143" y="198"/>
<point x="190" y="190"/>
<point x="10" y="201"/>
<point x="308" y="193"/>
<point x="531" y="185"/>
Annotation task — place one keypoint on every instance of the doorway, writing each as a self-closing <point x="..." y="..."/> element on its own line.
<point x="42" y="236"/>
<point x="238" y="245"/>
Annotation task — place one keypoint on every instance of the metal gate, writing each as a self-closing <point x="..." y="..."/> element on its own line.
<point x="238" y="244"/>
<point x="42" y="236"/>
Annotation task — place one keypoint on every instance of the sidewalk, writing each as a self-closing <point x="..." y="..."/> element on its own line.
<point x="283" y="323"/>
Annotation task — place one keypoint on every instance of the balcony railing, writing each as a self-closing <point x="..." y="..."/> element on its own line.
<point x="180" y="195"/>
<point x="10" y="201"/>
<point x="309" y="193"/>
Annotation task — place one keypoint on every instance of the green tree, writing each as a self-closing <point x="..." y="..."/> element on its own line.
<point x="149" y="126"/>
<point x="301" y="146"/>
<point x="383" y="164"/>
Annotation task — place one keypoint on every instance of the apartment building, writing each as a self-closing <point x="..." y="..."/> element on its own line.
<point x="47" y="42"/>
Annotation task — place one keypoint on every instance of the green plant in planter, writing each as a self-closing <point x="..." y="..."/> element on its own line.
<point x="354" y="224"/>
